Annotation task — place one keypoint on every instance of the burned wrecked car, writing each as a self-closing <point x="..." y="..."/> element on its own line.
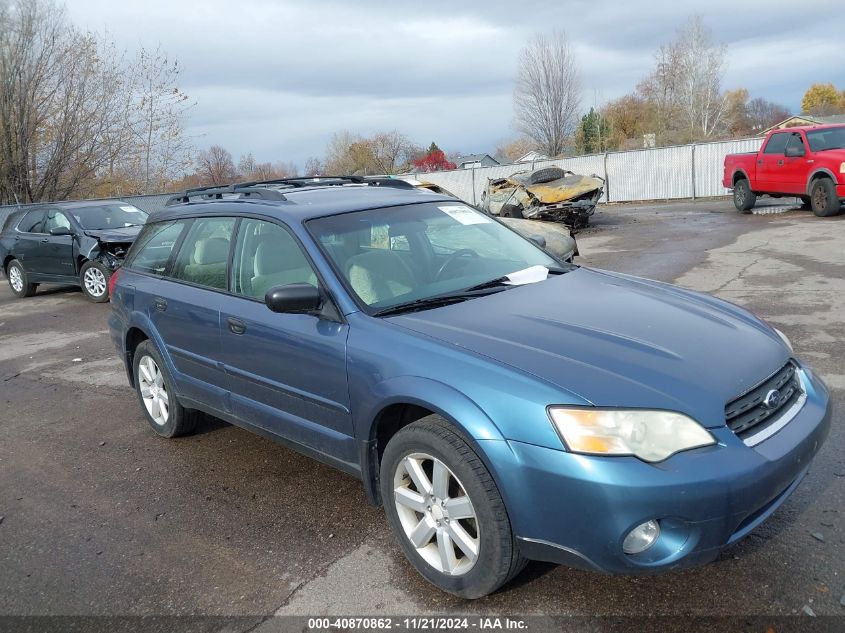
<point x="79" y="243"/>
<point x="554" y="238"/>
<point x="550" y="193"/>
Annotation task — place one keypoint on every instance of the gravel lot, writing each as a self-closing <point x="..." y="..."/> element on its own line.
<point x="100" y="517"/>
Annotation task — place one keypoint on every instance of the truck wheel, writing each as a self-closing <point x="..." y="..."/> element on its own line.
<point x="17" y="280"/>
<point x="823" y="198"/>
<point x="446" y="510"/>
<point x="94" y="279"/>
<point x="744" y="198"/>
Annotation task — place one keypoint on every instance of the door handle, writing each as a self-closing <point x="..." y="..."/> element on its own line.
<point x="160" y="304"/>
<point x="236" y="326"/>
<point x="45" y="240"/>
<point x="760" y="161"/>
<point x="780" y="162"/>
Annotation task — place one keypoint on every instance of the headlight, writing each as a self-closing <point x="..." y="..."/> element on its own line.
<point x="842" y="168"/>
<point x="652" y="436"/>
<point x="784" y="338"/>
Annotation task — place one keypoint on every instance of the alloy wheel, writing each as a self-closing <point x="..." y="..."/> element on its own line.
<point x="820" y="196"/>
<point x="153" y="390"/>
<point x="436" y="514"/>
<point x="95" y="282"/>
<point x="16" y="279"/>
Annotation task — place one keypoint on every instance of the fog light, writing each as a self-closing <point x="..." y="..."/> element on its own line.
<point x="641" y="537"/>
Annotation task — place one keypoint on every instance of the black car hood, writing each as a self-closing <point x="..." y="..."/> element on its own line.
<point x="123" y="234"/>
<point x="616" y="340"/>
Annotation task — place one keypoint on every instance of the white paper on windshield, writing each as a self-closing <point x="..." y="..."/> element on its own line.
<point x="463" y="214"/>
<point x="530" y="275"/>
<point x="130" y="209"/>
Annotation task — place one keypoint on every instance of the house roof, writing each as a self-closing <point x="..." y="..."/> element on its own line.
<point x="472" y="158"/>
<point x="806" y="119"/>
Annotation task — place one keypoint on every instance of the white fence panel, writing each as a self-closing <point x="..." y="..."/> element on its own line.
<point x="651" y="174"/>
<point x="710" y="160"/>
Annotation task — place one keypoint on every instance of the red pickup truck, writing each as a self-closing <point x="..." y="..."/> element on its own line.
<point x="807" y="162"/>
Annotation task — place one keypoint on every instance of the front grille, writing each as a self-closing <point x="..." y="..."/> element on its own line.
<point x="750" y="413"/>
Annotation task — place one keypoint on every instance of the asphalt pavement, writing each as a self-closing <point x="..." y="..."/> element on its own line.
<point x="101" y="517"/>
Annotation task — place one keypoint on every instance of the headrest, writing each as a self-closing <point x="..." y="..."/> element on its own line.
<point x="213" y="250"/>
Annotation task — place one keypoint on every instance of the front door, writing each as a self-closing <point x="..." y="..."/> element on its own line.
<point x="287" y="372"/>
<point x="770" y="164"/>
<point x="795" y="166"/>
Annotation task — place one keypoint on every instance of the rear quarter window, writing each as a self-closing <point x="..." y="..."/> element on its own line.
<point x="154" y="246"/>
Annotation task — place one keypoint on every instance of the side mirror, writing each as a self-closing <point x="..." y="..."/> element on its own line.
<point x="293" y="299"/>
<point x="539" y="240"/>
<point x="793" y="151"/>
<point x="60" y="230"/>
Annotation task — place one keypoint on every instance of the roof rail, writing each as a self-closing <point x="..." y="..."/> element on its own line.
<point x="216" y="192"/>
<point x="264" y="189"/>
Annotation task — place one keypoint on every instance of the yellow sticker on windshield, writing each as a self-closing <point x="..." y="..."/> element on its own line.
<point x="464" y="214"/>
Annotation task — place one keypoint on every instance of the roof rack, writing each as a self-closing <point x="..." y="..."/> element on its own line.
<point x="216" y="192"/>
<point x="268" y="189"/>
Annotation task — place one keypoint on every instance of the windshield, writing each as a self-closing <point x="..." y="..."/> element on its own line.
<point x="393" y="256"/>
<point x="827" y="138"/>
<point x="109" y="216"/>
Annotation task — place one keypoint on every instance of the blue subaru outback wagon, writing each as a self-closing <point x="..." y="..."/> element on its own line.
<point x="502" y="405"/>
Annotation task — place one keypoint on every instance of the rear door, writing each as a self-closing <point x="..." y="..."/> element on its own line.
<point x="287" y="372"/>
<point x="55" y="252"/>
<point x="770" y="164"/>
<point x="185" y="265"/>
<point x="26" y="241"/>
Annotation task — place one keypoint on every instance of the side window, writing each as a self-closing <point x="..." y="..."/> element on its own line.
<point x="204" y="255"/>
<point x="55" y="219"/>
<point x="777" y="143"/>
<point x="266" y="255"/>
<point x="151" y="251"/>
<point x="31" y="222"/>
<point x="795" y="142"/>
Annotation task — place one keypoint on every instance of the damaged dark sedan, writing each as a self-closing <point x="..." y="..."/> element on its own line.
<point x="79" y="243"/>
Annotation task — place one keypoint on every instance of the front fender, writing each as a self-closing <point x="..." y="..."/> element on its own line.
<point x="429" y="394"/>
<point x="820" y="171"/>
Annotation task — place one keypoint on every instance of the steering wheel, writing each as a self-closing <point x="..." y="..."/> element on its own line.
<point x="461" y="252"/>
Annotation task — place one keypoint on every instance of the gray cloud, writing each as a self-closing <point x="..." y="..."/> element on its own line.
<point x="277" y="78"/>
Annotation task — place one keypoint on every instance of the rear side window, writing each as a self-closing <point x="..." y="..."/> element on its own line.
<point x="777" y="143"/>
<point x="153" y="248"/>
<point x="31" y="222"/>
<point x="204" y="255"/>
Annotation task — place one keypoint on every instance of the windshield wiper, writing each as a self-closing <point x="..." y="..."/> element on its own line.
<point x="435" y="302"/>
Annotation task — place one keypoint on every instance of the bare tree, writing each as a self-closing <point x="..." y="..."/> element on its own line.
<point x="314" y="167"/>
<point x="547" y="94"/>
<point x="685" y="86"/>
<point x="391" y="151"/>
<point x="215" y="166"/>
<point x="156" y="123"/>
<point x="61" y="103"/>
<point x="763" y="114"/>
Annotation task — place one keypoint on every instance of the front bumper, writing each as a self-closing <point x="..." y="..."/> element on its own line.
<point x="576" y="509"/>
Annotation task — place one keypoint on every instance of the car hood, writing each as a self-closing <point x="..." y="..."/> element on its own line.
<point x="617" y="341"/>
<point x="123" y="234"/>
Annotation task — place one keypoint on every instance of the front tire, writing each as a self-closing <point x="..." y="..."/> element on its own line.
<point x="157" y="396"/>
<point x="18" y="281"/>
<point x="744" y="198"/>
<point x="446" y="510"/>
<point x="94" y="279"/>
<point x="823" y="198"/>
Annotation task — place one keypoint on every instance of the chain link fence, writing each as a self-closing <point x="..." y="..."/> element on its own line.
<point x="661" y="173"/>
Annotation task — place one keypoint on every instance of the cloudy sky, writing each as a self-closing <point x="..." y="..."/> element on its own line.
<point x="278" y="77"/>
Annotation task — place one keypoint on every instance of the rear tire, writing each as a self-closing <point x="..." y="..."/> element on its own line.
<point x="823" y="198"/>
<point x="449" y="515"/>
<point x="18" y="281"/>
<point x="157" y="395"/>
<point x="744" y="198"/>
